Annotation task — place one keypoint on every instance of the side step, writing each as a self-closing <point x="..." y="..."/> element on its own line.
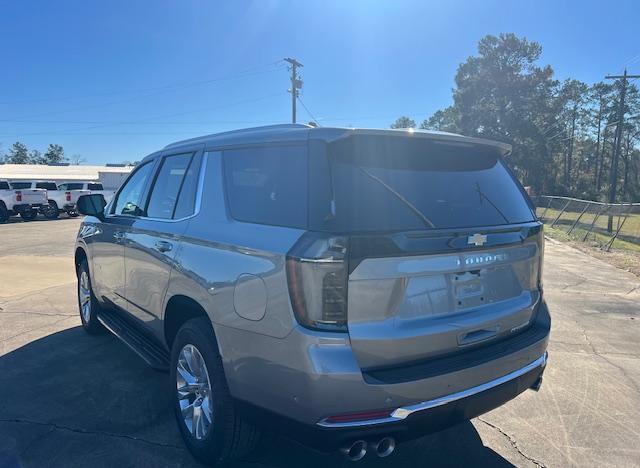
<point x="156" y="356"/>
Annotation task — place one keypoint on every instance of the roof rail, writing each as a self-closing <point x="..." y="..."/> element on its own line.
<point x="241" y="131"/>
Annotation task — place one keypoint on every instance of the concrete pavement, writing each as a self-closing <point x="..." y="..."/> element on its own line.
<point x="68" y="399"/>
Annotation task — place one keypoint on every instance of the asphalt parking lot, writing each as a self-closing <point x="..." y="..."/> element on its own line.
<point x="68" y="399"/>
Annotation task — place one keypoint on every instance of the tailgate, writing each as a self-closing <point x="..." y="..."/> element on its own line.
<point x="32" y="196"/>
<point x="403" y="309"/>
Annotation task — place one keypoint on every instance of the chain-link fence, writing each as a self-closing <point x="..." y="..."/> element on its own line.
<point x="607" y="225"/>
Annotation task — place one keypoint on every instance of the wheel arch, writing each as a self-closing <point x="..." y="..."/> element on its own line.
<point x="180" y="309"/>
<point x="80" y="256"/>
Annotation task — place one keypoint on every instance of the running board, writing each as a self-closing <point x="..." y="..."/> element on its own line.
<point x="143" y="346"/>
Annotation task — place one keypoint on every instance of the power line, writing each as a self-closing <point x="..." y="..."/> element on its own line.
<point x="245" y="101"/>
<point x="308" y="112"/>
<point x="166" y="88"/>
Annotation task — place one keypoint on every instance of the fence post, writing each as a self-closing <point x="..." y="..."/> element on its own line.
<point x="609" y="244"/>
<point x="593" y="223"/>
<point x="561" y="212"/>
<point x="546" y="209"/>
<point x="578" y="218"/>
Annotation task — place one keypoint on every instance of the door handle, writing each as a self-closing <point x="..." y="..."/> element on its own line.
<point x="118" y="235"/>
<point x="164" y="246"/>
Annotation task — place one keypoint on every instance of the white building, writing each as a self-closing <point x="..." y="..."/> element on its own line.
<point x="110" y="176"/>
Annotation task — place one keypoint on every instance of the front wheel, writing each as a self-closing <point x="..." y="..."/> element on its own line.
<point x="87" y="302"/>
<point x="28" y="215"/>
<point x="204" y="409"/>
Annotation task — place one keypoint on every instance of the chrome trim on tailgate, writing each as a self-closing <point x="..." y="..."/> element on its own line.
<point x="404" y="411"/>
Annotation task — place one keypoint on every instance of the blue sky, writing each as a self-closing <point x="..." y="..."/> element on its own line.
<point x="115" y="80"/>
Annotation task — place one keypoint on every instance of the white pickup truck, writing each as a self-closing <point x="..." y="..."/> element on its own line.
<point x="93" y="187"/>
<point x="58" y="200"/>
<point x="25" y="202"/>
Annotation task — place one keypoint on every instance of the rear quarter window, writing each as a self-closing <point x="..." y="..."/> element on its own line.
<point x="267" y="185"/>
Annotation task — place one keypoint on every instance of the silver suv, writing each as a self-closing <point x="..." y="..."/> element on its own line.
<point x="352" y="288"/>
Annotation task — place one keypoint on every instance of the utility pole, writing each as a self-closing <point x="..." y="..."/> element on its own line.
<point x="613" y="179"/>
<point x="296" y="84"/>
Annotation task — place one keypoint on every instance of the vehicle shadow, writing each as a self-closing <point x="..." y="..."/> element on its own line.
<point x="70" y="399"/>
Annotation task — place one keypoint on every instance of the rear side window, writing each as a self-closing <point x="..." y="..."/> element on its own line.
<point x="267" y="185"/>
<point x="382" y="183"/>
<point x="70" y="186"/>
<point x="166" y="188"/>
<point x="46" y="185"/>
<point x="187" y="197"/>
<point x="20" y="185"/>
<point x="93" y="187"/>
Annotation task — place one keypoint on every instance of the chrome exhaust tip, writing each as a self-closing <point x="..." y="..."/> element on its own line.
<point x="356" y="451"/>
<point x="384" y="447"/>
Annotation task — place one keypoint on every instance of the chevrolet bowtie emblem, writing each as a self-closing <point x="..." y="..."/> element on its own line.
<point x="477" y="239"/>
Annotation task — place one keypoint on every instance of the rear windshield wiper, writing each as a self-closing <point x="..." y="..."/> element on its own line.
<point x="427" y="222"/>
<point x="482" y="195"/>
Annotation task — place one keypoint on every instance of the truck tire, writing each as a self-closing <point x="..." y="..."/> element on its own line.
<point x="87" y="303"/>
<point x="51" y="211"/>
<point x="4" y="213"/>
<point x="211" y="433"/>
<point x="28" y="215"/>
<point x="73" y="214"/>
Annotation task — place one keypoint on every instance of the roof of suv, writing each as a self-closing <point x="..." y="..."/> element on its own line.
<point x="299" y="132"/>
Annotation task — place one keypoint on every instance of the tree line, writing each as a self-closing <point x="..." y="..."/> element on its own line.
<point x="562" y="133"/>
<point x="20" y="154"/>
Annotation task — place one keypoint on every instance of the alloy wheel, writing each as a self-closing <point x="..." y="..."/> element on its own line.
<point x="194" y="391"/>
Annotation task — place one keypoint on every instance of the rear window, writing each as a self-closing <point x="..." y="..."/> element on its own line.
<point x="70" y="186"/>
<point x="4" y="186"/>
<point x="46" y="185"/>
<point x="267" y="185"/>
<point x="94" y="187"/>
<point x="20" y="185"/>
<point x="379" y="183"/>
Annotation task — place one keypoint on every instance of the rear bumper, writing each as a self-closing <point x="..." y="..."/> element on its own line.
<point x="26" y="207"/>
<point x="416" y="421"/>
<point x="307" y="377"/>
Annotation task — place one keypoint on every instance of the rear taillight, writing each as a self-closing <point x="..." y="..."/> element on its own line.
<point x="18" y="196"/>
<point x="67" y="196"/>
<point x="317" y="278"/>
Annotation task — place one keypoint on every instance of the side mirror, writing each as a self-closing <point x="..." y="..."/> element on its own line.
<point x="92" y="205"/>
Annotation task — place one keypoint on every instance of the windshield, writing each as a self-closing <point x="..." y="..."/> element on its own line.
<point x="379" y="183"/>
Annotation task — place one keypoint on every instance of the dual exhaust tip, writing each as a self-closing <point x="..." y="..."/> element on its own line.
<point x="357" y="450"/>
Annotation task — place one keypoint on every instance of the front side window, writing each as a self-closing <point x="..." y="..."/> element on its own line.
<point x="129" y="201"/>
<point x="167" y="186"/>
<point x="267" y="185"/>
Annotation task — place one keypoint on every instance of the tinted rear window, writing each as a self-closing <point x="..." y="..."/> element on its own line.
<point x="4" y="186"/>
<point x="71" y="186"/>
<point x="398" y="184"/>
<point x="46" y="185"/>
<point x="267" y="185"/>
<point x="94" y="187"/>
<point x="20" y="185"/>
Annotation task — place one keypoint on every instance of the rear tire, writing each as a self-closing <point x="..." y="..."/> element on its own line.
<point x="51" y="212"/>
<point x="87" y="302"/>
<point x="4" y="213"/>
<point x="28" y="215"/>
<point x="215" y="431"/>
<point x="73" y="214"/>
